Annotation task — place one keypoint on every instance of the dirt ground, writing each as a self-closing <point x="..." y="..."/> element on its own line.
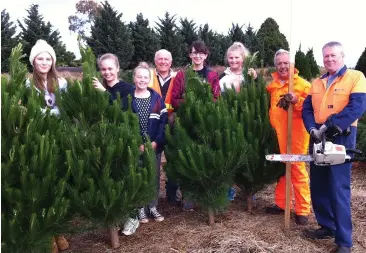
<point x="234" y="231"/>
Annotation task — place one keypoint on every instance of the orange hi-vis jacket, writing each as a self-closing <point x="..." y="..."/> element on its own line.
<point x="332" y="100"/>
<point x="154" y="84"/>
<point x="300" y="141"/>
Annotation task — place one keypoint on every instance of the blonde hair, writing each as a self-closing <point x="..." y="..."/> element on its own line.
<point x="238" y="46"/>
<point x="52" y="78"/>
<point x="142" y="65"/>
<point x="107" y="56"/>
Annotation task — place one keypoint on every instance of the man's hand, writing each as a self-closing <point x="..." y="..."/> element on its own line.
<point x="317" y="133"/>
<point x="286" y="100"/>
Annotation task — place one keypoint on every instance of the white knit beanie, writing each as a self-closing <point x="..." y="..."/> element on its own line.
<point x="40" y="47"/>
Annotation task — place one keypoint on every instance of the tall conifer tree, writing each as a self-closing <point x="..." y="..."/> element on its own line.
<point x="110" y="35"/>
<point x="8" y="40"/>
<point x="170" y="38"/>
<point x="146" y="42"/>
<point x="270" y="40"/>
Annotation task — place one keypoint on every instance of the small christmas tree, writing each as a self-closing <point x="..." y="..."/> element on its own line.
<point x="110" y="177"/>
<point x="205" y="147"/>
<point x="33" y="179"/>
<point x="252" y="103"/>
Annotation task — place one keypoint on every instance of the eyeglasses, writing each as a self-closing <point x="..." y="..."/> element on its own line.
<point x="197" y="54"/>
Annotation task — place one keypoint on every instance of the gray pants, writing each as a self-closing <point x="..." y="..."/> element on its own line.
<point x="154" y="202"/>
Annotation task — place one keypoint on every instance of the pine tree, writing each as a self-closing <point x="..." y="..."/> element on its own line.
<point x="110" y="35"/>
<point x="146" y="42"/>
<point x="252" y="104"/>
<point x="270" y="40"/>
<point x="205" y="147"/>
<point x="211" y="39"/>
<point x="35" y="28"/>
<point x="188" y="31"/>
<point x="251" y="40"/>
<point x="302" y="64"/>
<point x="223" y="42"/>
<point x="314" y="68"/>
<point x="236" y="33"/>
<point x="361" y="63"/>
<point x="8" y="40"/>
<point x="170" y="38"/>
<point x="110" y="177"/>
<point x="33" y="178"/>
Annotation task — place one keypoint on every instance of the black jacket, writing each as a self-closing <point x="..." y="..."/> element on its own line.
<point x="124" y="89"/>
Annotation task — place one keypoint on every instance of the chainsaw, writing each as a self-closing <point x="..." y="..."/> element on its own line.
<point x="325" y="153"/>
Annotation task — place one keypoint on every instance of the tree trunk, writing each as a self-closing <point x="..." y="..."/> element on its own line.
<point x="113" y="232"/>
<point x="250" y="203"/>
<point x="211" y="217"/>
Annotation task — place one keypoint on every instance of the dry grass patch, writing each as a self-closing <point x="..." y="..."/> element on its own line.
<point x="234" y="231"/>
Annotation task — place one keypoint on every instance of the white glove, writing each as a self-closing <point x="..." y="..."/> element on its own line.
<point x="55" y="112"/>
<point x="317" y="133"/>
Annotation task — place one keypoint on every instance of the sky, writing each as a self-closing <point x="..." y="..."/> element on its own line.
<point x="311" y="23"/>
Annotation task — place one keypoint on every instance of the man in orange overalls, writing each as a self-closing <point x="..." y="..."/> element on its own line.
<point x="280" y="101"/>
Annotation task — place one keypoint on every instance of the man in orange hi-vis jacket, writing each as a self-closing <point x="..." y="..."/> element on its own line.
<point x="280" y="101"/>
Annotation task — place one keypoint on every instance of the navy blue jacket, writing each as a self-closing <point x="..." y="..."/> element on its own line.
<point x="124" y="89"/>
<point x="158" y="118"/>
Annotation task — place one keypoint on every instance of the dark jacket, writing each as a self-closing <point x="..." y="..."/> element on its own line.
<point x="179" y="86"/>
<point x="157" y="120"/>
<point x="124" y="89"/>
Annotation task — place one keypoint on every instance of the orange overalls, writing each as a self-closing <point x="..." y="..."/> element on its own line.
<point x="300" y="141"/>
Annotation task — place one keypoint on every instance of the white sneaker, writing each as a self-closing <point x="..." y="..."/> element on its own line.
<point x="157" y="216"/>
<point x="130" y="226"/>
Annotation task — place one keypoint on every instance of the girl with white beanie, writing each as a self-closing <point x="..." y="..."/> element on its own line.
<point x="43" y="59"/>
<point x="45" y="77"/>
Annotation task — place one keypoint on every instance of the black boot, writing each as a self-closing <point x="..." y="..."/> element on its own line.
<point x="301" y="220"/>
<point x="320" y="233"/>
<point x="274" y="209"/>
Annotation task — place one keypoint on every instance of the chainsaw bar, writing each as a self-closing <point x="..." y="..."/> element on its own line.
<point x="289" y="158"/>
